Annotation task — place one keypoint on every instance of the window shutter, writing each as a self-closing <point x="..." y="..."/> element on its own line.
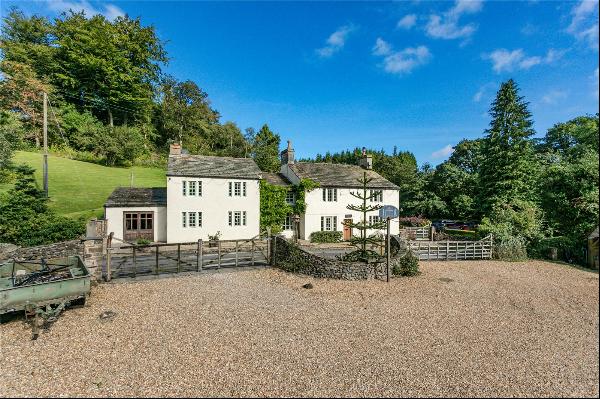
<point x="184" y="186"/>
<point x="230" y="215"/>
<point x="230" y="190"/>
<point x="244" y="193"/>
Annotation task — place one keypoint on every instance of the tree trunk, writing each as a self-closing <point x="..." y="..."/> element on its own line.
<point x="110" y="118"/>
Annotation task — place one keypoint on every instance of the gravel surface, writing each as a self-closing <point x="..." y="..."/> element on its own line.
<point x="459" y="329"/>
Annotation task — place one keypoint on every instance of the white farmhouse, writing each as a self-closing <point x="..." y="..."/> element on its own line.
<point x="326" y="206"/>
<point x="206" y="195"/>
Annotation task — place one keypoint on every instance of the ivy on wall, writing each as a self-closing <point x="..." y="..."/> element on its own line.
<point x="274" y="209"/>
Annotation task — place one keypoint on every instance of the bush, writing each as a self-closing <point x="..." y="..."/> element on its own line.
<point x="326" y="236"/>
<point x="567" y="248"/>
<point x="414" y="221"/>
<point x="511" y="249"/>
<point x="142" y="241"/>
<point x="406" y="265"/>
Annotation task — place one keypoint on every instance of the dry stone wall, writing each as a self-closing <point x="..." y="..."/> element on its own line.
<point x="289" y="257"/>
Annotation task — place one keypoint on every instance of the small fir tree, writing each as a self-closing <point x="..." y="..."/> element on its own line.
<point x="363" y="225"/>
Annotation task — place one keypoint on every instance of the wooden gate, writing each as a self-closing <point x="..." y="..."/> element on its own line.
<point x="156" y="259"/>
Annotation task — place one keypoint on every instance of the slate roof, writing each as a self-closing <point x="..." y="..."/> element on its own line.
<point x="210" y="166"/>
<point x="277" y="179"/>
<point x="136" y="196"/>
<point x="339" y="175"/>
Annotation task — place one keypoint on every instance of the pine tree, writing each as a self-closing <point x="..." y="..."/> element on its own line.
<point x="363" y="240"/>
<point x="507" y="164"/>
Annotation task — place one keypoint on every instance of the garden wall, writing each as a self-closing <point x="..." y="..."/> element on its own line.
<point x="289" y="257"/>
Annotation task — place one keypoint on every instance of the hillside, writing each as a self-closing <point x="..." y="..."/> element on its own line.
<point x="80" y="188"/>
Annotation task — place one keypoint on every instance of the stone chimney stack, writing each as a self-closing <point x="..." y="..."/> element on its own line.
<point x="366" y="161"/>
<point x="287" y="155"/>
<point x="175" y="149"/>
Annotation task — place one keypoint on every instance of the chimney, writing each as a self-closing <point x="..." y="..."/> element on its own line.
<point x="175" y="149"/>
<point x="366" y="161"/>
<point x="287" y="155"/>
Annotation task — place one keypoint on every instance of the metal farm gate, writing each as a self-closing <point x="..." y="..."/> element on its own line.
<point x="155" y="259"/>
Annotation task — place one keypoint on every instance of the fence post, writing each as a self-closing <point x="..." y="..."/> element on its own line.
<point x="156" y="259"/>
<point x="491" y="246"/>
<point x="134" y="263"/>
<point x="274" y="254"/>
<point x="252" y="261"/>
<point x="199" y="256"/>
<point x="219" y="254"/>
<point x="236" y="252"/>
<point x="108" y="271"/>
<point x="268" y="245"/>
<point x="431" y="232"/>
<point x="447" y="250"/>
<point x="178" y="258"/>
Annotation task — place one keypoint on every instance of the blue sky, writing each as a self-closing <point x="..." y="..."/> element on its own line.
<point x="332" y="76"/>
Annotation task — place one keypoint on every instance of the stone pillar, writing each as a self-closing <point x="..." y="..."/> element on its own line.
<point x="93" y="254"/>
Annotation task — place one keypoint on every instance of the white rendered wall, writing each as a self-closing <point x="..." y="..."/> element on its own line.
<point x="215" y="203"/>
<point x="316" y="207"/>
<point x="114" y="220"/>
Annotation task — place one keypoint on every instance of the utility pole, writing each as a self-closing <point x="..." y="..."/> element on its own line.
<point x="46" y="144"/>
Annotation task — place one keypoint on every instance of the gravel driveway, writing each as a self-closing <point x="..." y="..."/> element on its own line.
<point x="460" y="329"/>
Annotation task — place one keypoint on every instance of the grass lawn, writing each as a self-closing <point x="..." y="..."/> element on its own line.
<point x="81" y="188"/>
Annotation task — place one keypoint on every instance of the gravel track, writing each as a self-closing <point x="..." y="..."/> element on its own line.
<point x="459" y="329"/>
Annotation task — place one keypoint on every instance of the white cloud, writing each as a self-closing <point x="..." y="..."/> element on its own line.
<point x="408" y="21"/>
<point x="443" y="153"/>
<point x="584" y="22"/>
<point x="110" y="11"/>
<point x="504" y="60"/>
<point x="336" y="41"/>
<point x="381" y="47"/>
<point x="403" y="61"/>
<point x="530" y="29"/>
<point x="483" y="90"/>
<point x="447" y="25"/>
<point x="553" y="96"/>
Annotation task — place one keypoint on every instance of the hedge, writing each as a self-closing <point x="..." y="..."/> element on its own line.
<point x="326" y="236"/>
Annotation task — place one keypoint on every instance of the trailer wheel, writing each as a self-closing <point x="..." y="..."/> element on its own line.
<point x="79" y="303"/>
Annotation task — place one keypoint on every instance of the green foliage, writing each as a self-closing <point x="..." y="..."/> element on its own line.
<point x="406" y="265"/>
<point x="414" y="221"/>
<point x="10" y="133"/>
<point x="300" y="190"/>
<point x="142" y="241"/>
<point x="119" y="145"/>
<point x="514" y="227"/>
<point x="214" y="237"/>
<point x="265" y="149"/>
<point x="25" y="218"/>
<point x="273" y="208"/>
<point x="507" y="169"/>
<point x="326" y="236"/>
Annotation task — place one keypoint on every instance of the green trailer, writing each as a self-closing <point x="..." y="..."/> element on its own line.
<point x="42" y="289"/>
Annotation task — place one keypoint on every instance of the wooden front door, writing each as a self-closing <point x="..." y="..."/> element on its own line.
<point x="347" y="229"/>
<point x="138" y="225"/>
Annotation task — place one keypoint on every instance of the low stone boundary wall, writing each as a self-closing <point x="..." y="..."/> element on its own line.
<point x="91" y="251"/>
<point x="289" y="257"/>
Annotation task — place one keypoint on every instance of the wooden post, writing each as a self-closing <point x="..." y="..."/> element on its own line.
<point x="268" y="245"/>
<point x="199" y="256"/>
<point x="389" y="250"/>
<point x="108" y="271"/>
<point x="274" y="254"/>
<point x="219" y="254"/>
<point x="236" y="253"/>
<point x="134" y="263"/>
<point x="45" y="144"/>
<point x="252" y="261"/>
<point x="156" y="258"/>
<point x="178" y="258"/>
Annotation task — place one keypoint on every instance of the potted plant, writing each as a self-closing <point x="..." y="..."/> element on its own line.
<point x="213" y="239"/>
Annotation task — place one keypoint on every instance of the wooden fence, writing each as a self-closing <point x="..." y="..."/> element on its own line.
<point x="452" y="250"/>
<point x="138" y="260"/>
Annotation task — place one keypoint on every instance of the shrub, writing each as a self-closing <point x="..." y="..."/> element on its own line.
<point x="326" y="236"/>
<point x="414" y="221"/>
<point x="142" y="241"/>
<point x="567" y="248"/>
<point x="406" y="265"/>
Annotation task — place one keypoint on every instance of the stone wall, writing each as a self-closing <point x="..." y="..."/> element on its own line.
<point x="289" y="257"/>
<point x="91" y="251"/>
